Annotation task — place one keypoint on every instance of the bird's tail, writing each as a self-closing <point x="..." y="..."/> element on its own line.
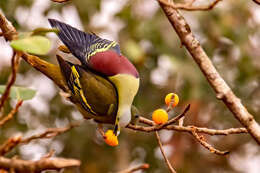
<point x="65" y="68"/>
<point x="50" y="70"/>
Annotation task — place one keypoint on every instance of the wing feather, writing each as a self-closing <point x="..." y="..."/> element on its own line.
<point x="78" y="89"/>
<point x="82" y="45"/>
<point x="72" y="76"/>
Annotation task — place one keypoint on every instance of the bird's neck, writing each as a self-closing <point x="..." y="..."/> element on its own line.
<point x="127" y="87"/>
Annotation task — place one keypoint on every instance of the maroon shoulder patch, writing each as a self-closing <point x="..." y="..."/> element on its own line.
<point x="110" y="63"/>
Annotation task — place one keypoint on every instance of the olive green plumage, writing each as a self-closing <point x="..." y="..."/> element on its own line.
<point x="99" y="92"/>
<point x="94" y="96"/>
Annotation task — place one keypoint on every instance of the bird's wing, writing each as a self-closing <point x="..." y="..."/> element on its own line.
<point x="88" y="89"/>
<point x="81" y="44"/>
<point x="77" y="89"/>
<point x="70" y="72"/>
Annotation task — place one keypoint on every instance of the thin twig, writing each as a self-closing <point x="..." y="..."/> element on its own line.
<point x="163" y="153"/>
<point x="9" y="144"/>
<point x="49" y="154"/>
<point x="176" y="118"/>
<point x="189" y="7"/>
<point x="11" y="114"/>
<point x="60" y="1"/>
<point x="37" y="166"/>
<point x="208" y="131"/>
<point x="181" y="121"/>
<point x="15" y="64"/>
<point x="50" y="133"/>
<point x="202" y="141"/>
<point x="136" y="168"/>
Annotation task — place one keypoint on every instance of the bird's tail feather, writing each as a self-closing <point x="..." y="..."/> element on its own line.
<point x="65" y="69"/>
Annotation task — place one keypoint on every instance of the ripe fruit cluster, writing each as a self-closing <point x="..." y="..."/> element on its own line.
<point x="111" y="138"/>
<point x="160" y="116"/>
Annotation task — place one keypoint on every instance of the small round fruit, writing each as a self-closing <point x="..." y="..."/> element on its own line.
<point x="160" y="116"/>
<point x="111" y="138"/>
<point x="169" y="97"/>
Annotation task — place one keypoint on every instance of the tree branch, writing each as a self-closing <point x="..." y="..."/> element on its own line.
<point x="15" y="63"/>
<point x="188" y="6"/>
<point x="163" y="153"/>
<point x="60" y="1"/>
<point x="222" y="90"/>
<point x="136" y="168"/>
<point x="50" y="133"/>
<point x="188" y="129"/>
<point x="8" y="30"/>
<point x="37" y="166"/>
<point x="9" y="144"/>
<point x="11" y="114"/>
<point x="202" y="141"/>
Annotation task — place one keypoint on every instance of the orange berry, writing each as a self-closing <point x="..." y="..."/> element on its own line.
<point x="111" y="138"/>
<point x="169" y="97"/>
<point x="160" y="116"/>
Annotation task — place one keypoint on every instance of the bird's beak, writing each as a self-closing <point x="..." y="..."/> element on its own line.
<point x="116" y="130"/>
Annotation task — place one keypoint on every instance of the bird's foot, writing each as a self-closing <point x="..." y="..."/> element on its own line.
<point x="100" y="130"/>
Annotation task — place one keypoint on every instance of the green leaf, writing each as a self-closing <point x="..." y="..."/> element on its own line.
<point x="33" y="44"/>
<point x="19" y="92"/>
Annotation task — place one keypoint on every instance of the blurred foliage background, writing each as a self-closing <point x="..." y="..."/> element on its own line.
<point x="230" y="34"/>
